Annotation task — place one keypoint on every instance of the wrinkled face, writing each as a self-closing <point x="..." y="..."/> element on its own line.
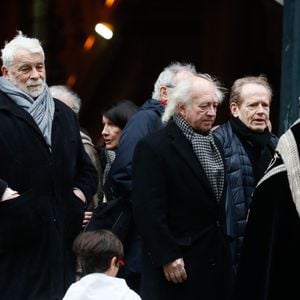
<point x="254" y="110"/>
<point x="200" y="111"/>
<point x="27" y="72"/>
<point x="111" y="134"/>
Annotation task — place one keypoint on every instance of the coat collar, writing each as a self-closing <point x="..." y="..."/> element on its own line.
<point x="7" y="104"/>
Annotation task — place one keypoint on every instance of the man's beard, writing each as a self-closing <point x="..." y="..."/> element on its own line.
<point x="35" y="90"/>
<point x="32" y="87"/>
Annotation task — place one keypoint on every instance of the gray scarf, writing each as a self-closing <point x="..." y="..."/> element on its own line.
<point x="207" y="153"/>
<point x="110" y="156"/>
<point x="41" y="109"/>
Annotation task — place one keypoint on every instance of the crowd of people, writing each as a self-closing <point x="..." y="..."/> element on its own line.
<point x="172" y="206"/>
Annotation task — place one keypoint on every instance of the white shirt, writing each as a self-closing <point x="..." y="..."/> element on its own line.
<point x="98" y="286"/>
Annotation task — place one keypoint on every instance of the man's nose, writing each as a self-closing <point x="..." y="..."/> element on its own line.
<point x="34" y="73"/>
<point x="260" y="108"/>
<point x="212" y="110"/>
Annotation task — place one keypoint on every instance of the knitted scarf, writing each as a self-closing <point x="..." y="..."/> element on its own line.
<point x="207" y="153"/>
<point x="41" y="109"/>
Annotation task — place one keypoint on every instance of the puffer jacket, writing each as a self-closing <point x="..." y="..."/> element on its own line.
<point x="241" y="184"/>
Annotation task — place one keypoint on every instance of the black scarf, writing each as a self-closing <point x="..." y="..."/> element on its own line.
<point x="257" y="145"/>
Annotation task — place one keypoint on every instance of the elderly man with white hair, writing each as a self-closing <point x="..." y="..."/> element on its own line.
<point x="46" y="179"/>
<point x="178" y="198"/>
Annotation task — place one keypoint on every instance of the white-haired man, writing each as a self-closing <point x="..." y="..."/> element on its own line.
<point x="118" y="183"/>
<point x="46" y="179"/>
<point x="178" y="194"/>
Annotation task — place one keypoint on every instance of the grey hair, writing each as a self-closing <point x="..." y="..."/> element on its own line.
<point x="166" y="77"/>
<point x="236" y="89"/>
<point x="181" y="94"/>
<point x="61" y="92"/>
<point x="20" y="41"/>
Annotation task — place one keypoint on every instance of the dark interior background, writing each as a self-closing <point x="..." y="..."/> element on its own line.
<point x="225" y="38"/>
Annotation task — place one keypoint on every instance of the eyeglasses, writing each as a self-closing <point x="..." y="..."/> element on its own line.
<point x="121" y="263"/>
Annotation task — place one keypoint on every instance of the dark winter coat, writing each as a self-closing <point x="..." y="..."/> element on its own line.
<point x="38" y="227"/>
<point x="177" y="215"/>
<point x="241" y="182"/>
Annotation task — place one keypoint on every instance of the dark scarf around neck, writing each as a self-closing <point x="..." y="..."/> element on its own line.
<point x="256" y="144"/>
<point x="256" y="139"/>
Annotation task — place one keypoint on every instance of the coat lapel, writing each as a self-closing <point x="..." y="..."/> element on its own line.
<point x="184" y="149"/>
<point x="9" y="105"/>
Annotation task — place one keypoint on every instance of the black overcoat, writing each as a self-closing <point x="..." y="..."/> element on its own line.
<point x="270" y="259"/>
<point x="177" y="215"/>
<point x="38" y="227"/>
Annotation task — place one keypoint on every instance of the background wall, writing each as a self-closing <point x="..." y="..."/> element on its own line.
<point x="225" y="38"/>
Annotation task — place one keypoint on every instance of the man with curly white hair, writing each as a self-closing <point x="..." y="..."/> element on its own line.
<point x="119" y="179"/>
<point x="178" y="198"/>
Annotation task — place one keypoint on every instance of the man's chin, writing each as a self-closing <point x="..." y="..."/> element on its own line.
<point x="259" y="128"/>
<point x="35" y="92"/>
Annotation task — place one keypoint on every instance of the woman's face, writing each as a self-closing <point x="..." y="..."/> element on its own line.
<point x="111" y="134"/>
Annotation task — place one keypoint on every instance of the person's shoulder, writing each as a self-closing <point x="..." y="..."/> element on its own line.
<point x="221" y="127"/>
<point x="132" y="295"/>
<point x="151" y="107"/>
<point x="222" y="131"/>
<point x="73" y="292"/>
<point x="161" y="138"/>
<point x="60" y="104"/>
<point x="154" y="110"/>
<point x="64" y="109"/>
<point x="142" y="123"/>
<point x="156" y="140"/>
<point x="125" y="291"/>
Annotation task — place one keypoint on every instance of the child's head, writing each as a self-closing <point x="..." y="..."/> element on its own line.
<point x="98" y="252"/>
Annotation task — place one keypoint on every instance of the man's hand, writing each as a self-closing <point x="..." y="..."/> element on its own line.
<point x="175" y="271"/>
<point x="9" y="194"/>
<point x="87" y="217"/>
<point x="79" y="194"/>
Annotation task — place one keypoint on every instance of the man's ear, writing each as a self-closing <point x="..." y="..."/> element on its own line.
<point x="113" y="268"/>
<point x="4" y="71"/>
<point x="234" y="108"/>
<point x="181" y="109"/>
<point x="163" y="93"/>
<point x="113" y="262"/>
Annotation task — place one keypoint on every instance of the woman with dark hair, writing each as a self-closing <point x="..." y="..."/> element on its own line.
<point x="113" y="213"/>
<point x="114" y="120"/>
